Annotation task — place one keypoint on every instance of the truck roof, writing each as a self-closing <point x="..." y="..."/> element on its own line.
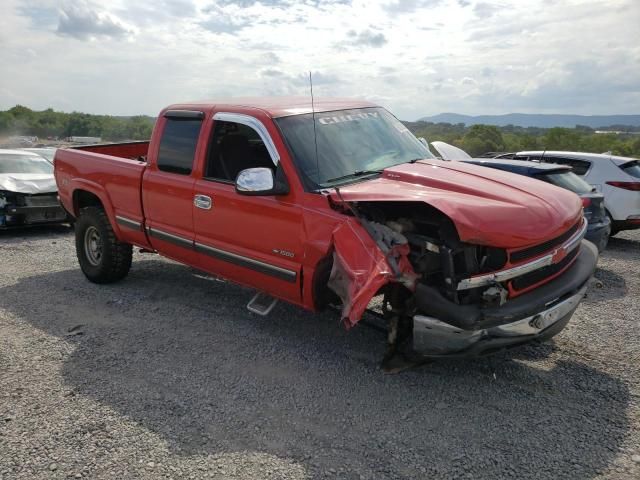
<point x="278" y="106"/>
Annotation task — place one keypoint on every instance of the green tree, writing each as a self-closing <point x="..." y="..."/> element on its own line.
<point x="561" y="139"/>
<point x="483" y="138"/>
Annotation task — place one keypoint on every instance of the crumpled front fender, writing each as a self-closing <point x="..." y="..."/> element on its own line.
<point x="364" y="260"/>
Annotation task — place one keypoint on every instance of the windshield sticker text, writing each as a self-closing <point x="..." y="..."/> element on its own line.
<point x="347" y="118"/>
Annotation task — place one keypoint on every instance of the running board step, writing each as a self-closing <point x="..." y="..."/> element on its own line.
<point x="262" y="304"/>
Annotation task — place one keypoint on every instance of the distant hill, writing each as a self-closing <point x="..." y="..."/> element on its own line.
<point x="537" y="120"/>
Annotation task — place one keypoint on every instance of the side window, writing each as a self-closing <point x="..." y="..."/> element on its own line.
<point x="178" y="144"/>
<point x="233" y="148"/>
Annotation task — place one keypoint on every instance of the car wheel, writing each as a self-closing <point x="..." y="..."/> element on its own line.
<point x="102" y="258"/>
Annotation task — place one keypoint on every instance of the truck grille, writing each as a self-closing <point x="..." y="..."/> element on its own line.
<point x="41" y="200"/>
<point x="529" y="279"/>
<point x="536" y="250"/>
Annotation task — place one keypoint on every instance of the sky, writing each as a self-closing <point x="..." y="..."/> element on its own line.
<point x="415" y="57"/>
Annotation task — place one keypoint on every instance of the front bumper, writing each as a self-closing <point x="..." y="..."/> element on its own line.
<point x="13" y="216"/>
<point x="468" y="330"/>
<point x="598" y="233"/>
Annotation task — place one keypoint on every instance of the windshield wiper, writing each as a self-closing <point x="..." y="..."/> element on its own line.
<point x="357" y="173"/>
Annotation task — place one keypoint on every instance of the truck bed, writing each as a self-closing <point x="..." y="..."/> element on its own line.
<point x="113" y="173"/>
<point x="131" y="150"/>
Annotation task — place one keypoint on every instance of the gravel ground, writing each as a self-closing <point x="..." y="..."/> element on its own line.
<point x="167" y="375"/>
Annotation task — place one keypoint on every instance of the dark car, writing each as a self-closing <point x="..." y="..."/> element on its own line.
<point x="599" y="228"/>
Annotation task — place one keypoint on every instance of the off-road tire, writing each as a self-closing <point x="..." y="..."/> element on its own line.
<point x="110" y="261"/>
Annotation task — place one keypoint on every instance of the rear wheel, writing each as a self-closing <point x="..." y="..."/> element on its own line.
<point x="102" y="258"/>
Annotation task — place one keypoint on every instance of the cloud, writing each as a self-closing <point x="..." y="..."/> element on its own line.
<point x="366" y="38"/>
<point x="486" y="9"/>
<point x="222" y="24"/>
<point x="485" y="57"/>
<point x="408" y="6"/>
<point x="40" y="16"/>
<point x="83" y="22"/>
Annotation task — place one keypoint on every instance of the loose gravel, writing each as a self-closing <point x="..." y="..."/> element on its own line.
<point x="167" y="375"/>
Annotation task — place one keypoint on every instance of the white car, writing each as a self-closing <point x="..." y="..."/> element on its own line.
<point x="618" y="178"/>
<point x="28" y="191"/>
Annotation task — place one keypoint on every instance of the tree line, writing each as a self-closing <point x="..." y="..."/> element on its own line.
<point x="479" y="139"/>
<point x="475" y="140"/>
<point x="21" y="120"/>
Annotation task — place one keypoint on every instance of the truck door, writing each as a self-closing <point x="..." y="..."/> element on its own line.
<point x="253" y="240"/>
<point x="168" y="185"/>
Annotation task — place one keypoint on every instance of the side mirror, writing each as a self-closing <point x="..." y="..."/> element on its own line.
<point x="260" y="181"/>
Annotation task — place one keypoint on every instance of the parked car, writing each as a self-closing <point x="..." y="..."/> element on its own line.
<point x="446" y="151"/>
<point x="618" y="178"/>
<point x="28" y="191"/>
<point x="46" y="152"/>
<point x="334" y="205"/>
<point x="599" y="228"/>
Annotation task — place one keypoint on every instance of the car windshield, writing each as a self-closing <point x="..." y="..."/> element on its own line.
<point x="14" y="163"/>
<point x="568" y="180"/>
<point x="47" y="153"/>
<point x="350" y="144"/>
<point x="632" y="168"/>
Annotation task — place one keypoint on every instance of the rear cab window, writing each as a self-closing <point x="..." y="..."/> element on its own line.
<point x="631" y="168"/>
<point x="179" y="141"/>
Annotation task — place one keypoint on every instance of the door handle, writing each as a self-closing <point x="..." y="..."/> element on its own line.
<point x="203" y="202"/>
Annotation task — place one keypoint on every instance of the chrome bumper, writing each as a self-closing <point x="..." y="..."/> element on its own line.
<point x="432" y="337"/>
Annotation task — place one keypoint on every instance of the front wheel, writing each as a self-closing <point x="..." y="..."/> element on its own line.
<point x="102" y="258"/>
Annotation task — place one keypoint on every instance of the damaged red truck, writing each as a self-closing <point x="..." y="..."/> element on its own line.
<point x="334" y="206"/>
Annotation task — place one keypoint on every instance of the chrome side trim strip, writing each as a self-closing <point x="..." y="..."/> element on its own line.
<point x="501" y="276"/>
<point x="169" y="237"/>
<point x="257" y="265"/>
<point x="257" y="125"/>
<point x="240" y="260"/>
<point x="127" y="222"/>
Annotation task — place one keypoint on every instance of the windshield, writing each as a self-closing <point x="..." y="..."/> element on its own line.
<point x="12" y="163"/>
<point x="632" y="168"/>
<point x="568" y="180"/>
<point x="47" y="153"/>
<point x="348" y="142"/>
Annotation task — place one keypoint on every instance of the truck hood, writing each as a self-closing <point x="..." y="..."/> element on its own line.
<point x="29" y="183"/>
<point x="487" y="206"/>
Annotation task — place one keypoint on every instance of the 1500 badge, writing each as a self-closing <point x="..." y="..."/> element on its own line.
<point x="284" y="253"/>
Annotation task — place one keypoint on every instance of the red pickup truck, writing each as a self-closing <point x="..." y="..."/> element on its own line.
<point x="332" y="206"/>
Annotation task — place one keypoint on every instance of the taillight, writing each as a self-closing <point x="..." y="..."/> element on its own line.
<point x="634" y="186"/>
<point x="586" y="201"/>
